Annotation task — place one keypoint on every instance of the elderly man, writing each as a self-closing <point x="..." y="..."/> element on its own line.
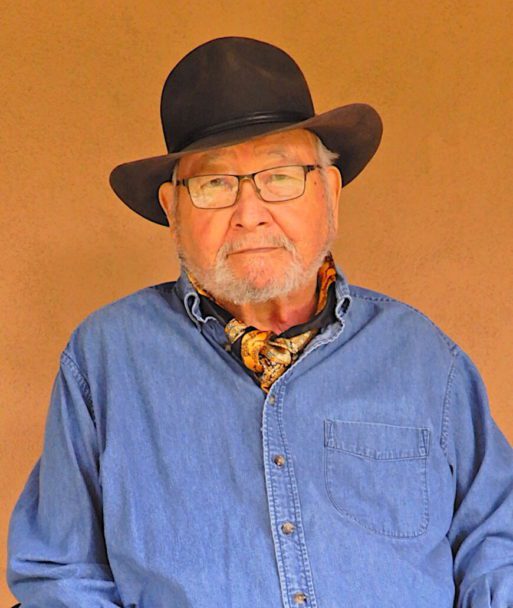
<point x="260" y="432"/>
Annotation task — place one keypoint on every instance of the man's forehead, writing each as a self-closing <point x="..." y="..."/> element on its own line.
<point x="280" y="144"/>
<point x="298" y="138"/>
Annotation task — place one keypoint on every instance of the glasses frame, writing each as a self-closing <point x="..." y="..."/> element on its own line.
<point x="251" y="176"/>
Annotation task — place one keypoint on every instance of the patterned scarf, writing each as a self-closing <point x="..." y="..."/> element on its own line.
<point x="267" y="355"/>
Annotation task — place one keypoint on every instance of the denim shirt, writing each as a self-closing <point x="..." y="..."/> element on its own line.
<point x="371" y="476"/>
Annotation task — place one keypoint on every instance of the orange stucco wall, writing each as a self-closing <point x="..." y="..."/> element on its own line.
<point x="430" y="221"/>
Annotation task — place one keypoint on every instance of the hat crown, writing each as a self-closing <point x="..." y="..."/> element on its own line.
<point x="231" y="82"/>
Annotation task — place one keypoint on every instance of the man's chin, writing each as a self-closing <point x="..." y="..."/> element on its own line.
<point x="255" y="287"/>
<point x="251" y="285"/>
<point x="257" y="279"/>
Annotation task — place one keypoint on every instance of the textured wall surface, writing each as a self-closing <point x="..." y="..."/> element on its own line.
<point x="429" y="221"/>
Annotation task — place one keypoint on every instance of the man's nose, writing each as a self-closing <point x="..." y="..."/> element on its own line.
<point x="250" y="210"/>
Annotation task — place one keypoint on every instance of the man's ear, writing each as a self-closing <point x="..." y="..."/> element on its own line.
<point x="334" y="180"/>
<point x="166" y="196"/>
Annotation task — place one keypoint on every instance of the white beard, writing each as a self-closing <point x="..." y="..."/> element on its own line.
<point x="221" y="282"/>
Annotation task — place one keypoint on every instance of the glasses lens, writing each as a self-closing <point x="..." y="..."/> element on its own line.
<point x="213" y="191"/>
<point x="281" y="183"/>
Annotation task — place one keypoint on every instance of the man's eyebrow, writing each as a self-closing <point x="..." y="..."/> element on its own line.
<point x="211" y="157"/>
<point x="216" y="155"/>
<point x="278" y="151"/>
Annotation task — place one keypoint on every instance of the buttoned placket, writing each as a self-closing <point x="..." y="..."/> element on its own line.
<point x="296" y="580"/>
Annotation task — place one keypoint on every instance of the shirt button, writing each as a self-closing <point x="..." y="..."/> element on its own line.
<point x="299" y="598"/>
<point x="272" y="400"/>
<point x="288" y="527"/>
<point x="279" y="460"/>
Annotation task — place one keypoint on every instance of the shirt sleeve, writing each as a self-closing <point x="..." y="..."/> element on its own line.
<point x="57" y="554"/>
<point x="481" y="533"/>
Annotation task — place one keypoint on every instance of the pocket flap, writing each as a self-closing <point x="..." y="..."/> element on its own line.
<point x="377" y="440"/>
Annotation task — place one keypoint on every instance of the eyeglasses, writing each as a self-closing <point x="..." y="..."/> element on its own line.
<point x="272" y="185"/>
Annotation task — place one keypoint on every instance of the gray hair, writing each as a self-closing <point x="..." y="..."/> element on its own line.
<point x="325" y="157"/>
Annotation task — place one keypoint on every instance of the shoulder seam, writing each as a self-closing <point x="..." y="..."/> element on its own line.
<point x="450" y="343"/>
<point x="71" y="364"/>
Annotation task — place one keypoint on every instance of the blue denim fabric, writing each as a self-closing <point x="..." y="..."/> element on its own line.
<point x="159" y="486"/>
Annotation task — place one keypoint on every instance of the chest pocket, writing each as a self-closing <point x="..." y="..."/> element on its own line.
<point x="375" y="475"/>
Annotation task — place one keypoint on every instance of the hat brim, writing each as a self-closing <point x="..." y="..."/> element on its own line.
<point x="352" y="131"/>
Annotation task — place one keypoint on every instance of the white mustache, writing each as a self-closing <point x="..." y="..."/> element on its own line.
<point x="241" y="244"/>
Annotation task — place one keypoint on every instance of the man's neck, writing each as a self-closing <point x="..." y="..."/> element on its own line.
<point x="279" y="314"/>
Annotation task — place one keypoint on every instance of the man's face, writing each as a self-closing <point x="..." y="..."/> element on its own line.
<point x="255" y="251"/>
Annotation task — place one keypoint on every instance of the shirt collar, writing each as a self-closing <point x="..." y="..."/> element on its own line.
<point x="191" y="299"/>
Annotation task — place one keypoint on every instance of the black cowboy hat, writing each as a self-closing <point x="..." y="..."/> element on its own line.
<point x="229" y="90"/>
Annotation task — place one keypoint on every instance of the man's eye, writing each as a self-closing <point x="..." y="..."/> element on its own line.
<point x="216" y="182"/>
<point x="276" y="178"/>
